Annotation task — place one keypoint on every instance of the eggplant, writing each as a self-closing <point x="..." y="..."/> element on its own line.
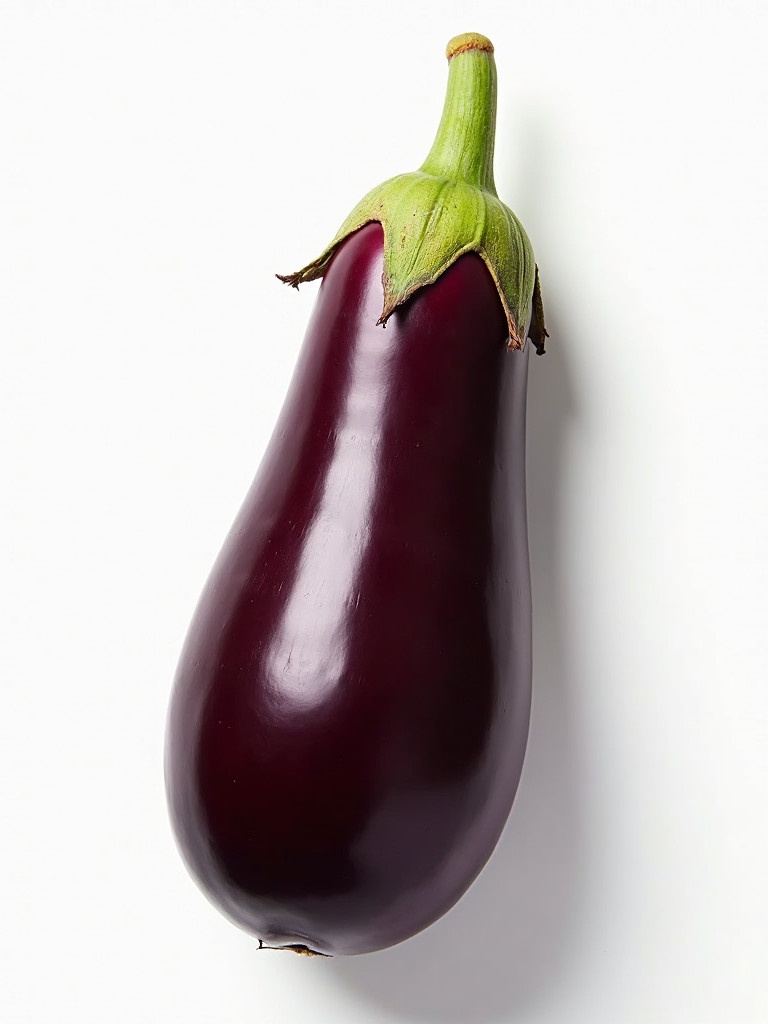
<point x="349" y="717"/>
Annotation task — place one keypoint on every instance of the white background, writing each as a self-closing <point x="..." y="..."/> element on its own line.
<point x="159" y="161"/>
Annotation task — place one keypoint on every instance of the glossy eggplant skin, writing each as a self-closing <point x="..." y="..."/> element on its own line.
<point x="350" y="713"/>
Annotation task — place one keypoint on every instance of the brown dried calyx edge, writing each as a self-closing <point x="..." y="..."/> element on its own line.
<point x="537" y="332"/>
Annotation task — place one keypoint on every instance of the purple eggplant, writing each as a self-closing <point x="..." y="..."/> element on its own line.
<point x="350" y="713"/>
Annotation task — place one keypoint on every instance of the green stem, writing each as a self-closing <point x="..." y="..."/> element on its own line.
<point x="463" y="146"/>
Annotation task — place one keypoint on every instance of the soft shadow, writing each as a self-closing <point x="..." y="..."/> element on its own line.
<point x="513" y="937"/>
<point x="510" y="937"/>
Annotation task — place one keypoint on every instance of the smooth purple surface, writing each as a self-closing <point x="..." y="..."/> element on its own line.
<point x="350" y="713"/>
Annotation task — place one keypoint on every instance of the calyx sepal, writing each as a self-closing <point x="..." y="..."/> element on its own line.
<point x="449" y="207"/>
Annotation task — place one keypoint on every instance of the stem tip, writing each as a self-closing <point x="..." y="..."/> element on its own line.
<point x="468" y="41"/>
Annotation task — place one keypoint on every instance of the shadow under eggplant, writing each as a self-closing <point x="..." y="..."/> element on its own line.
<point x="511" y="935"/>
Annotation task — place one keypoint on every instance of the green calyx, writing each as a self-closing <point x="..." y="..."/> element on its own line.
<point x="449" y="206"/>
